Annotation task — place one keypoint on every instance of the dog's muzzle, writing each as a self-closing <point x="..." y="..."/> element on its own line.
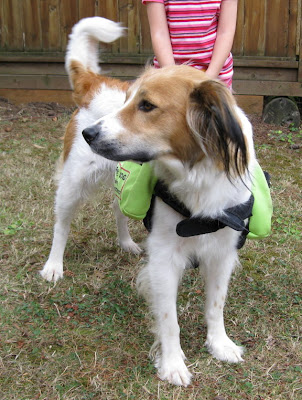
<point x="91" y="133"/>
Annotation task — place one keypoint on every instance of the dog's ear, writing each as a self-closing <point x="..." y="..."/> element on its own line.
<point x="212" y="120"/>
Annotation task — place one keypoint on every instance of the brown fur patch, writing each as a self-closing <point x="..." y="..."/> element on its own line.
<point x="166" y="123"/>
<point x="86" y="83"/>
<point x="69" y="135"/>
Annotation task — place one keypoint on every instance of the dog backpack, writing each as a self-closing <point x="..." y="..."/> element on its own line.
<point x="136" y="188"/>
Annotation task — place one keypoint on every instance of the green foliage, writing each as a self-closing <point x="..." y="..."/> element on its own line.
<point x="290" y="136"/>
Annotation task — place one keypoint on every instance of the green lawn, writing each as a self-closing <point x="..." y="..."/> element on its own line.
<point x="88" y="337"/>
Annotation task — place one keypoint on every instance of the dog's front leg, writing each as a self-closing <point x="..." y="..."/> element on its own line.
<point x="217" y="275"/>
<point x="161" y="277"/>
<point x="68" y="198"/>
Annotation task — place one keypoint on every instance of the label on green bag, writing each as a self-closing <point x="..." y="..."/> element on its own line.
<point x="121" y="176"/>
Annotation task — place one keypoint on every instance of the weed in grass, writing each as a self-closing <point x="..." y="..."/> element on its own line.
<point x="291" y="136"/>
<point x="18" y="224"/>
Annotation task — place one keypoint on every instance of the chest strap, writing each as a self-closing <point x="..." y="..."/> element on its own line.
<point x="232" y="217"/>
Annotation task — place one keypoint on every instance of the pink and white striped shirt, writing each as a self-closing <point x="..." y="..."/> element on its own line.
<point x="193" y="27"/>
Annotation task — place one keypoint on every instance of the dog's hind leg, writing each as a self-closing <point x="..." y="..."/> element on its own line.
<point x="124" y="239"/>
<point x="217" y="272"/>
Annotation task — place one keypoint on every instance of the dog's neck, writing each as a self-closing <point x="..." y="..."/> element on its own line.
<point x="203" y="189"/>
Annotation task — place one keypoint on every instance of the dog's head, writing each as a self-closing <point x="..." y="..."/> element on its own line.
<point x="174" y="112"/>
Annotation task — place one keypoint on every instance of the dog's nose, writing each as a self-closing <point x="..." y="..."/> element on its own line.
<point x="90" y="133"/>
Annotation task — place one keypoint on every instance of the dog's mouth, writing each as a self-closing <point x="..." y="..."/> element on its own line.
<point x="117" y="153"/>
<point x="113" y="149"/>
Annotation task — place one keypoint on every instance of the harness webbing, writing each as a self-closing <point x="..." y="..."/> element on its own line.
<point x="191" y="226"/>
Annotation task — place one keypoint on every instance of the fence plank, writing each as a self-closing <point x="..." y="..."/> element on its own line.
<point x="277" y="28"/>
<point x="292" y="27"/>
<point x="34" y="82"/>
<point x="21" y="96"/>
<point x="129" y="16"/>
<point x="124" y="6"/>
<point x="109" y="9"/>
<point x="13" y="24"/>
<point x="32" y="25"/>
<point x="3" y="25"/>
<point x="69" y="16"/>
<point x="299" y="28"/>
<point x="300" y="53"/>
<point x="237" y="48"/>
<point x="50" y="22"/>
<point x="254" y="27"/>
<point x="87" y="8"/>
<point x="30" y="68"/>
<point x="265" y="74"/>
<point x="145" y="44"/>
<point x="133" y="27"/>
<point x="57" y="70"/>
<point x="265" y="88"/>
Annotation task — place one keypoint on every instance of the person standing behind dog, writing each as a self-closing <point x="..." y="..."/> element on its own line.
<point x="198" y="33"/>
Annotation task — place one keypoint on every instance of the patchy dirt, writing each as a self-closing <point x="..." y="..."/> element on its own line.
<point x="11" y="112"/>
<point x="260" y="129"/>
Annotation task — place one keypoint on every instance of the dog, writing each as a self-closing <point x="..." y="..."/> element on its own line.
<point x="200" y="144"/>
<point x="80" y="171"/>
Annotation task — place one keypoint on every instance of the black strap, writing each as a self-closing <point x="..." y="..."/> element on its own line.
<point x="162" y="191"/>
<point x="232" y="217"/>
<point x="191" y="226"/>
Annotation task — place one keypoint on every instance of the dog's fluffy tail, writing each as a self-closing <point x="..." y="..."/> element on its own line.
<point x="83" y="43"/>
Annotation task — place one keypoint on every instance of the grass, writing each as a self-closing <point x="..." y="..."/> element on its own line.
<point x="87" y="337"/>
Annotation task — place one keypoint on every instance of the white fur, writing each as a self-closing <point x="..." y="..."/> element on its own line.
<point x="84" y="40"/>
<point x="84" y="171"/>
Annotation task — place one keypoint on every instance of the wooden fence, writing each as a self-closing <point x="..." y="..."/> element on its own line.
<point x="33" y="36"/>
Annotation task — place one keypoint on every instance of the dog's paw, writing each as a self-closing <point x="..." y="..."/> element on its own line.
<point x="52" y="272"/>
<point x="174" y="370"/>
<point x="225" y="350"/>
<point x="130" y="246"/>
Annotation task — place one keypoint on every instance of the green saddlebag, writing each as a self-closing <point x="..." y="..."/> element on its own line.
<point x="260" y="221"/>
<point x="134" y="184"/>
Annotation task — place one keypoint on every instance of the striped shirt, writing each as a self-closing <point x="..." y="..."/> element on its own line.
<point x="193" y="27"/>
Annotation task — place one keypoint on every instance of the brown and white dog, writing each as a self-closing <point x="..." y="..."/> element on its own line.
<point x="201" y="147"/>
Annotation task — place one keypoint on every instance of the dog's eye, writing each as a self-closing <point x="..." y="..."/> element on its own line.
<point x="146" y="106"/>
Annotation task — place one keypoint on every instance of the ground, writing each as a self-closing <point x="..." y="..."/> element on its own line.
<point x="12" y="112"/>
<point x="88" y="336"/>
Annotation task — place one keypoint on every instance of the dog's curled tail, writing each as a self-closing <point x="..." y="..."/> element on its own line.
<point x="83" y="43"/>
